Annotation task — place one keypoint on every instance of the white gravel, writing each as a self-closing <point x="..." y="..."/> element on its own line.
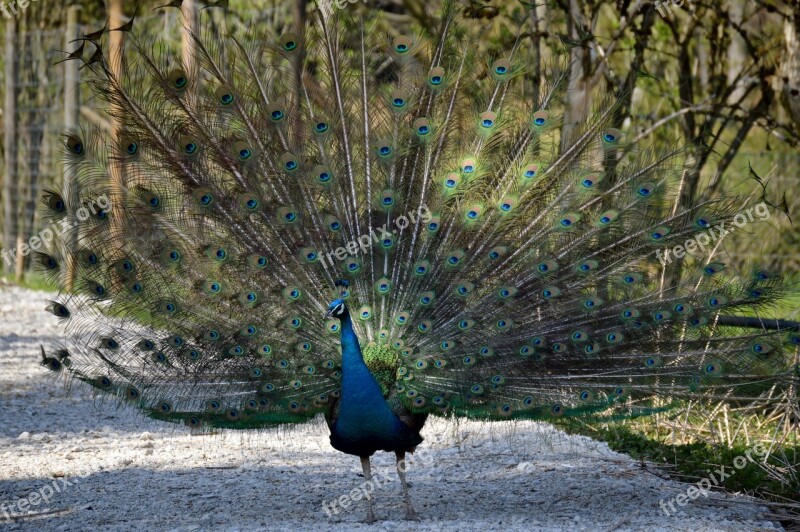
<point x="141" y="475"/>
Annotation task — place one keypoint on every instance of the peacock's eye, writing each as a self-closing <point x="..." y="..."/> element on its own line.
<point x="277" y="114"/>
<point x="226" y="99"/>
<point x="322" y="127"/>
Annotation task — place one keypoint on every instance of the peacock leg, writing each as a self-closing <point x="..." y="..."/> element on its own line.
<point x="411" y="515"/>
<point x="368" y="478"/>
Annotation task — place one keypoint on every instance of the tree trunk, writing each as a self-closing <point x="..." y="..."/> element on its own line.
<point x="737" y="49"/>
<point x="790" y="67"/>
<point x="72" y="103"/>
<point x="191" y="25"/>
<point x="10" y="190"/>
<point x="116" y="171"/>
<point x="578" y="98"/>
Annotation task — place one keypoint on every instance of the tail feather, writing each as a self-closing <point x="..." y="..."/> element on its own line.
<point x="513" y="277"/>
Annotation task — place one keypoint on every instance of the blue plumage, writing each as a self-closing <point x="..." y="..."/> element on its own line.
<point x="485" y="266"/>
<point x="364" y="422"/>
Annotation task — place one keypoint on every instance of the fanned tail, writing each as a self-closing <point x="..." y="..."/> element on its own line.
<point x="507" y="276"/>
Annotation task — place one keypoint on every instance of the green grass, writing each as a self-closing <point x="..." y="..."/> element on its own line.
<point x="775" y="478"/>
<point x="35" y="281"/>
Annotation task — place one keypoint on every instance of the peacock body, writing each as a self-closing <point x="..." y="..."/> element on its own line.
<point x="471" y="261"/>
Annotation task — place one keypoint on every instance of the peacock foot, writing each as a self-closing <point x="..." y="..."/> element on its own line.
<point x="370" y="519"/>
<point x="411" y="515"/>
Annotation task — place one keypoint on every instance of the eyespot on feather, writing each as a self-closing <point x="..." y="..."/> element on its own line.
<point x="289" y="42"/>
<point x="178" y="80"/>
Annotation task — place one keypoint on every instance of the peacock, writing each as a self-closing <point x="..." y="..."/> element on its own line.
<point x="377" y="228"/>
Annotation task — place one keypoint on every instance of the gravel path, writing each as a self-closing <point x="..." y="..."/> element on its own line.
<point x="103" y="467"/>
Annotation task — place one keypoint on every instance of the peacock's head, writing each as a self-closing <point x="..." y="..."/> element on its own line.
<point x="337" y="309"/>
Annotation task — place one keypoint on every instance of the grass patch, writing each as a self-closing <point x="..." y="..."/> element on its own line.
<point x="773" y="477"/>
<point x="35" y="281"/>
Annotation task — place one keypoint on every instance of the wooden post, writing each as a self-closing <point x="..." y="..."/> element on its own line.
<point x="22" y="251"/>
<point x="71" y="77"/>
<point x="299" y="9"/>
<point x="116" y="171"/>
<point x="191" y="26"/>
<point x="71" y="116"/>
<point x="10" y="189"/>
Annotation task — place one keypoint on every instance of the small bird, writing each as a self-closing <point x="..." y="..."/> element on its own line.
<point x="569" y="42"/>
<point x="378" y="249"/>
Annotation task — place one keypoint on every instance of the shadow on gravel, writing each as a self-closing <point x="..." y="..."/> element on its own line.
<point x="277" y="497"/>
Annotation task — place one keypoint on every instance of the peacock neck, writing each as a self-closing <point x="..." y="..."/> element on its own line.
<point x="362" y="404"/>
<point x="352" y="359"/>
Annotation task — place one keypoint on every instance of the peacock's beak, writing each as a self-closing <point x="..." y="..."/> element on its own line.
<point x="329" y="313"/>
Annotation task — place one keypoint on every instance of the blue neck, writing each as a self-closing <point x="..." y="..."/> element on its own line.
<point x="356" y="377"/>
<point x="363" y="410"/>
